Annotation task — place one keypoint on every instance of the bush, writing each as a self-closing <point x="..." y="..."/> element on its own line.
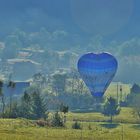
<point x="57" y="120"/>
<point x="76" y="125"/>
<point x="41" y="123"/>
<point x="89" y="127"/>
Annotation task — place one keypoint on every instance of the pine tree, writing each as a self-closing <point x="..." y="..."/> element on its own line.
<point x="39" y="108"/>
<point x="26" y="106"/>
<point x="111" y="108"/>
<point x="2" y="97"/>
<point x="57" y="120"/>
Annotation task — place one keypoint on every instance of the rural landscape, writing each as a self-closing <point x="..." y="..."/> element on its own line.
<point x="69" y="70"/>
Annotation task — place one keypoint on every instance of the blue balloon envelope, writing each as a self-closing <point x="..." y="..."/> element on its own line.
<point x="97" y="71"/>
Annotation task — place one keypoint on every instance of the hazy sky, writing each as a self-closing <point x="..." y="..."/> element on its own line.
<point x="113" y="19"/>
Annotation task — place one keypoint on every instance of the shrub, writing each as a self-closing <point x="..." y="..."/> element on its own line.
<point x="89" y="127"/>
<point x="76" y="125"/>
<point x="57" y="120"/>
<point x="41" y="123"/>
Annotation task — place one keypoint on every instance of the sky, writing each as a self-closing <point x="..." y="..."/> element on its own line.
<point x="113" y="19"/>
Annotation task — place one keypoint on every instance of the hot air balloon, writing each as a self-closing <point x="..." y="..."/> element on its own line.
<point x="97" y="71"/>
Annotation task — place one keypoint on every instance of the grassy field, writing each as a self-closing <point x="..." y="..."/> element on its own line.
<point x="98" y="131"/>
<point x="125" y="126"/>
<point x="94" y="126"/>
<point x="125" y="116"/>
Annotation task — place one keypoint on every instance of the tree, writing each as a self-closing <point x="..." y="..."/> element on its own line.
<point x="40" y="80"/>
<point x="59" y="82"/>
<point x="11" y="85"/>
<point x="2" y="97"/>
<point x="26" y="106"/>
<point x="38" y="106"/>
<point x="64" y="109"/>
<point x="74" y="80"/>
<point x="111" y="108"/>
<point x="76" y="125"/>
<point x="57" y="120"/>
<point x="15" y="110"/>
<point x="80" y="86"/>
<point x="77" y="85"/>
<point x="135" y="89"/>
<point x="135" y="104"/>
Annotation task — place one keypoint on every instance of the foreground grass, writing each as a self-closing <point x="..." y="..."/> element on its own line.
<point x="22" y="129"/>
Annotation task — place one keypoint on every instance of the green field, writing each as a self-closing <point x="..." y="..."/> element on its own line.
<point x="125" y="126"/>
<point x="94" y="126"/>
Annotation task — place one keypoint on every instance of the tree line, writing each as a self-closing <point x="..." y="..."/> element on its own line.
<point x="30" y="106"/>
<point x="36" y="101"/>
